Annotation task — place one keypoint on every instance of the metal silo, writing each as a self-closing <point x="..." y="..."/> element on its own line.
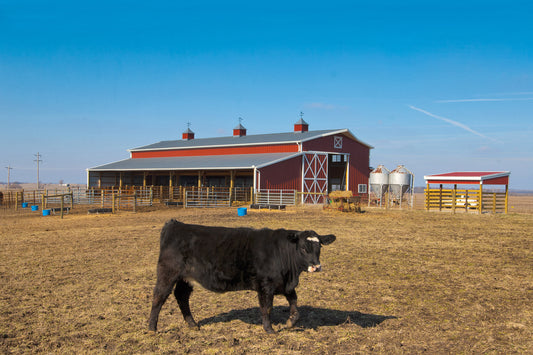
<point x="379" y="182"/>
<point x="400" y="181"/>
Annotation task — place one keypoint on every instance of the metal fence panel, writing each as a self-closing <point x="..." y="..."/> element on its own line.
<point x="275" y="197"/>
<point x="207" y="198"/>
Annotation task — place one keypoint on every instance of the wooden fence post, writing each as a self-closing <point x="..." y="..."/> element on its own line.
<point x="440" y="198"/>
<point x="454" y="199"/>
<point x="62" y="204"/>
<point x="251" y="195"/>
<point x="506" y="198"/>
<point x="480" y="202"/>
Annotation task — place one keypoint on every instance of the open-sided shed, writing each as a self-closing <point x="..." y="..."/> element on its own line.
<point x="468" y="191"/>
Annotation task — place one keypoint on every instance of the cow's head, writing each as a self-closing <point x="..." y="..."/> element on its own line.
<point x="308" y="245"/>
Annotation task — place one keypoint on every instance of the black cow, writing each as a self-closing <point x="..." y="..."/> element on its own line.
<point x="230" y="259"/>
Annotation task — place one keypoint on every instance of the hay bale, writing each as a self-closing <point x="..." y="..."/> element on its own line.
<point x="340" y="194"/>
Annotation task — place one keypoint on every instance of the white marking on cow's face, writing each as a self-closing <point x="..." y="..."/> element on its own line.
<point x="314" y="268"/>
<point x="313" y="239"/>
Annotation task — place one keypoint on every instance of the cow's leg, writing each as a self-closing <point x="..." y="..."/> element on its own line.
<point x="266" y="299"/>
<point x="183" y="292"/>
<point x="162" y="289"/>
<point x="293" y="308"/>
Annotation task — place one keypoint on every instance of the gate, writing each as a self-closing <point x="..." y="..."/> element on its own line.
<point x="206" y="197"/>
<point x="275" y="197"/>
<point x="315" y="177"/>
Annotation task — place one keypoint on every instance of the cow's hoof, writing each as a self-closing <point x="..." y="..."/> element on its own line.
<point x="191" y="323"/>
<point x="194" y="326"/>
<point x="269" y="329"/>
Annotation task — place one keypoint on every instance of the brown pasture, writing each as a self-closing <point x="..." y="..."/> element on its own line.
<point x="393" y="282"/>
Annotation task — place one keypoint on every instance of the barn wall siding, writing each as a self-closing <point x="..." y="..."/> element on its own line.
<point x="283" y="175"/>
<point x="258" y="149"/>
<point x="359" y="170"/>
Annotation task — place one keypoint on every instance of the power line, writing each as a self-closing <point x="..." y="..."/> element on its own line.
<point x="38" y="160"/>
<point x="9" y="168"/>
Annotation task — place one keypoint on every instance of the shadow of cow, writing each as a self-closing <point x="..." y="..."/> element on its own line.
<point x="310" y="317"/>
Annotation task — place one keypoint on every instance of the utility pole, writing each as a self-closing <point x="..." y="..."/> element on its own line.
<point x="9" y="168"/>
<point x="38" y="160"/>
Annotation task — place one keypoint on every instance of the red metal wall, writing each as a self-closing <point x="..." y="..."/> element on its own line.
<point x="254" y="149"/>
<point x="283" y="175"/>
<point x="359" y="169"/>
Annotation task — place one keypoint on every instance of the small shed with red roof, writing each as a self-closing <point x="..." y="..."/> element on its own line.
<point x="470" y="194"/>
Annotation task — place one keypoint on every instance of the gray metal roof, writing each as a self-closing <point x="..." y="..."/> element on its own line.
<point x="274" y="138"/>
<point x="213" y="162"/>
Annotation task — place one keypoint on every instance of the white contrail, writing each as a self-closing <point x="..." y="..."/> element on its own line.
<point x="486" y="100"/>
<point x="455" y="123"/>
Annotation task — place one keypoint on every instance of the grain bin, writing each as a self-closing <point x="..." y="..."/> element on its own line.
<point x="379" y="182"/>
<point x="400" y="181"/>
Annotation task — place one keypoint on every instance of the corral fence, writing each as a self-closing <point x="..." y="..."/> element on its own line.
<point x="207" y="198"/>
<point x="128" y="198"/>
<point x="457" y="200"/>
<point x="276" y="197"/>
<point x="117" y="199"/>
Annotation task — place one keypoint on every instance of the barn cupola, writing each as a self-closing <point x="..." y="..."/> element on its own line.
<point x="188" y="134"/>
<point x="301" y="126"/>
<point x="239" y="131"/>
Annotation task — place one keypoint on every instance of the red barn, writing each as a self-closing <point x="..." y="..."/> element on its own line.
<point x="313" y="162"/>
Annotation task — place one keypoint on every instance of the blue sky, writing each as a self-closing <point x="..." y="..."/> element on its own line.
<point x="436" y="86"/>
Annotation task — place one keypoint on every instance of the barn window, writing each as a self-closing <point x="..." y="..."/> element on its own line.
<point x="337" y="158"/>
<point x="361" y="188"/>
<point x="337" y="142"/>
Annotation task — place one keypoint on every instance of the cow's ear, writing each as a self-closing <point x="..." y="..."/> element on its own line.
<point x="326" y="239"/>
<point x="293" y="237"/>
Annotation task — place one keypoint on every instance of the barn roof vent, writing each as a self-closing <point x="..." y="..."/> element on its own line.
<point x="188" y="134"/>
<point x="239" y="131"/>
<point x="301" y="126"/>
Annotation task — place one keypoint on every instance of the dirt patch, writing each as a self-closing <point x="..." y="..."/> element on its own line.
<point x="394" y="281"/>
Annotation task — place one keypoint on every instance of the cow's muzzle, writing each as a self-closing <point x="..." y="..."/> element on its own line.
<point x="314" y="268"/>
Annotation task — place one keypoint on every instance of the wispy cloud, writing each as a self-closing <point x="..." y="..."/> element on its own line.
<point x="487" y="100"/>
<point x="452" y="122"/>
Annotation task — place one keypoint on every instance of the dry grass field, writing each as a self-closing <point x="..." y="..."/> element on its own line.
<point x="393" y="282"/>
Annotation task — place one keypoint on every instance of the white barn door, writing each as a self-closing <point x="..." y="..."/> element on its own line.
<point x="314" y="177"/>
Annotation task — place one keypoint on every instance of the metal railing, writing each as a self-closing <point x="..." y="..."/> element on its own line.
<point x="207" y="198"/>
<point x="275" y="197"/>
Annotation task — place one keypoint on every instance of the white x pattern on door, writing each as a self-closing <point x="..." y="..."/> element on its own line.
<point x="315" y="177"/>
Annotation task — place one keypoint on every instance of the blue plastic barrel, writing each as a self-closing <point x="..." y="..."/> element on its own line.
<point x="35" y="208"/>
<point x="241" y="211"/>
<point x="46" y="212"/>
<point x="24" y="204"/>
